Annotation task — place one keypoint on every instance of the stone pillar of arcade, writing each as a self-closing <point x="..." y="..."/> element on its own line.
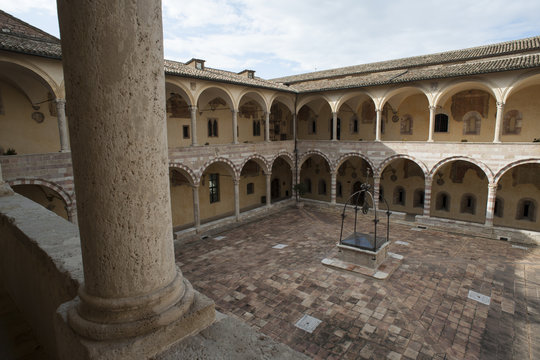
<point x="134" y="301"/>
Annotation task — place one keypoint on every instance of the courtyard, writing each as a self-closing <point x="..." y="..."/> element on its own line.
<point x="269" y="274"/>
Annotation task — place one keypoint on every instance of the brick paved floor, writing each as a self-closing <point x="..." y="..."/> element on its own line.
<point x="420" y="312"/>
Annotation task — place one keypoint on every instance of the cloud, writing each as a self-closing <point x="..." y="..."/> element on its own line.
<point x="307" y="35"/>
<point x="25" y="6"/>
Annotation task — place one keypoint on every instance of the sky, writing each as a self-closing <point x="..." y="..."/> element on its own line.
<point x="287" y="37"/>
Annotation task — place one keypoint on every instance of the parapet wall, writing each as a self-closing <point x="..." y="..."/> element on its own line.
<point x="40" y="263"/>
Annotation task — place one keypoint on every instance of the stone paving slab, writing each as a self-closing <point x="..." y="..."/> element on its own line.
<point x="421" y="311"/>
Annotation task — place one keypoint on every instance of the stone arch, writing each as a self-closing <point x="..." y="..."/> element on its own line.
<point x="186" y="171"/>
<point x="256" y="96"/>
<point x="487" y="171"/>
<point x="68" y="199"/>
<point x="308" y="99"/>
<point x="45" y="79"/>
<point x="512" y="165"/>
<point x="389" y="159"/>
<point x="456" y="86"/>
<point x="183" y="91"/>
<point x="401" y="93"/>
<point x="350" y="95"/>
<point x="288" y="157"/>
<point x="346" y="156"/>
<point x="307" y="154"/>
<point x="229" y="166"/>
<point x="211" y="91"/>
<point x="260" y="160"/>
<point x="288" y="102"/>
<point x="520" y="82"/>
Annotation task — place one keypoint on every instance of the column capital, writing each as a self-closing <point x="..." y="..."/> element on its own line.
<point x="234" y="111"/>
<point x="236" y="182"/>
<point x="60" y="101"/>
<point x="492" y="186"/>
<point x="192" y="107"/>
<point x="500" y="105"/>
<point x="432" y="107"/>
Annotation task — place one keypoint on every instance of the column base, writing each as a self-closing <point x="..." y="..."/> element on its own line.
<point x="71" y="345"/>
<point x="5" y="189"/>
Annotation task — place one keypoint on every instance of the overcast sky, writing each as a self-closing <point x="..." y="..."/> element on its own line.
<point x="285" y="37"/>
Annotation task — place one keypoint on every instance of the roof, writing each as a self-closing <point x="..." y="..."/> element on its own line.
<point x="180" y="69"/>
<point x="531" y="44"/>
<point x="19" y="36"/>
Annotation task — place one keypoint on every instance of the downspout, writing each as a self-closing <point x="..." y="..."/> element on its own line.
<point x="296" y="144"/>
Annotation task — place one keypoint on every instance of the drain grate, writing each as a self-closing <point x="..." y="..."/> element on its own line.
<point x="402" y="243"/>
<point x="308" y="323"/>
<point x="520" y="247"/>
<point x="279" y="246"/>
<point x="219" y="238"/>
<point x="395" y="256"/>
<point x="483" y="299"/>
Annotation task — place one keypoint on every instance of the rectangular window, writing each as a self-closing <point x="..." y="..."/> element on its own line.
<point x="250" y="188"/>
<point x="213" y="186"/>
<point x="185" y="131"/>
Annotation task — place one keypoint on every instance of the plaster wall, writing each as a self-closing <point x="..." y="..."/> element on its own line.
<point x="316" y="171"/>
<point x="472" y="184"/>
<point x="526" y="101"/>
<point x="282" y="172"/>
<point x="45" y="197"/>
<point x="409" y="184"/>
<point x="182" y="205"/>
<point x="259" y="186"/>
<point x="17" y="128"/>
<point x="224" y="118"/>
<point x="417" y="107"/>
<point x="511" y="193"/>
<point x="225" y="205"/>
<point x="175" y="135"/>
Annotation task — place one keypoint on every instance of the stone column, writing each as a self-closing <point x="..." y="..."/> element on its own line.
<point x="427" y="196"/>
<point x="235" y="125"/>
<point x="196" y="207"/>
<point x="268" y="189"/>
<point x="378" y="125"/>
<point x="62" y="124"/>
<point x="498" y="122"/>
<point x="193" y="111"/>
<point x="334" y="125"/>
<point x="112" y="55"/>
<point x="490" y="206"/>
<point x="236" y="198"/>
<point x="333" y="187"/>
<point x="5" y="189"/>
<point x="294" y="126"/>
<point x="266" y="126"/>
<point x="376" y="189"/>
<point x="431" y="122"/>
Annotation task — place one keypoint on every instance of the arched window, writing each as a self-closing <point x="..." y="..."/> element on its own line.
<point x="308" y="186"/>
<point x="441" y="123"/>
<point x="526" y="210"/>
<point x="468" y="204"/>
<point x="322" y="187"/>
<point x="443" y="202"/>
<point x="215" y="128"/>
<point x="418" y="200"/>
<point x="312" y="125"/>
<point x="399" y="196"/>
<point x="471" y="123"/>
<point x="256" y="128"/>
<point x="499" y="207"/>
<point x="210" y="131"/>
<point x="381" y="192"/>
<point x="339" y="190"/>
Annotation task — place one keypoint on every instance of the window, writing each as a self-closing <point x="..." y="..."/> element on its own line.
<point x="185" y="131"/>
<point x="322" y="187"/>
<point x="212" y="128"/>
<point x="256" y="128"/>
<point x="443" y="202"/>
<point x="213" y="186"/>
<point x="468" y="204"/>
<point x="526" y="210"/>
<point x="418" y="200"/>
<point x="339" y="189"/>
<point x="308" y="186"/>
<point x="498" y="208"/>
<point x="441" y="123"/>
<point x="355" y="125"/>
<point x="399" y="196"/>
<point x="250" y="188"/>
<point x="312" y="126"/>
<point x="471" y="123"/>
<point x="381" y="193"/>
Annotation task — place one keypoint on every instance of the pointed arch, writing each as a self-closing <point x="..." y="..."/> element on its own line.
<point x="259" y="159"/>
<point x="346" y="156"/>
<point x="288" y="157"/>
<point x="309" y="153"/>
<point x="229" y="166"/>
<point x="66" y="197"/>
<point x="512" y="165"/>
<point x="389" y="159"/>
<point x="184" y="170"/>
